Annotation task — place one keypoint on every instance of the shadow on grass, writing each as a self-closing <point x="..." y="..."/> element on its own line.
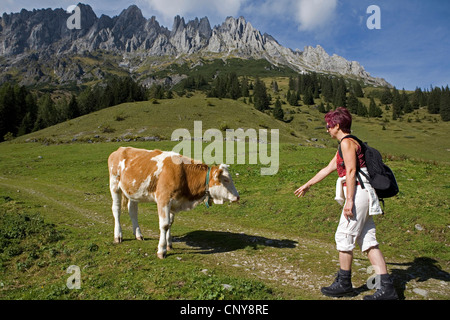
<point x="421" y="269"/>
<point x="208" y="242"/>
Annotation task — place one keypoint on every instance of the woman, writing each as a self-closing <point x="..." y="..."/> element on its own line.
<point x="356" y="223"/>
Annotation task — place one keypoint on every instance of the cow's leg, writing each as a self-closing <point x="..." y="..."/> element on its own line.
<point x="164" y="224"/>
<point x="117" y="198"/>
<point x="133" y="211"/>
<point x="169" y="233"/>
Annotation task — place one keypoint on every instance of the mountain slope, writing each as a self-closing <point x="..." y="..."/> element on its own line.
<point x="36" y="46"/>
<point x="148" y="121"/>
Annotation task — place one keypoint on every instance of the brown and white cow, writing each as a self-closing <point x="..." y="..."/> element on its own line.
<point x="175" y="182"/>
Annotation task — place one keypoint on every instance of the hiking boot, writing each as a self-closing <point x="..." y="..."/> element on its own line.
<point x="341" y="287"/>
<point x="386" y="291"/>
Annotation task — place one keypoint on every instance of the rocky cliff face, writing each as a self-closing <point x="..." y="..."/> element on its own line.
<point x="42" y="35"/>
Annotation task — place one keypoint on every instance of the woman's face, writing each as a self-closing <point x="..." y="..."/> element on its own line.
<point x="332" y="130"/>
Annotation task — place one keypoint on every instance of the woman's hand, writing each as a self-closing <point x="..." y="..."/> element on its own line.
<point x="300" y="192"/>
<point x="348" y="209"/>
<point x="331" y="167"/>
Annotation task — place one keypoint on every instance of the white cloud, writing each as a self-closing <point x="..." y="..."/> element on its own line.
<point x="309" y="15"/>
<point x="314" y="14"/>
<point x="215" y="10"/>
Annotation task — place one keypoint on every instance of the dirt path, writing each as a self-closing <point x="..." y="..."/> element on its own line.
<point x="302" y="266"/>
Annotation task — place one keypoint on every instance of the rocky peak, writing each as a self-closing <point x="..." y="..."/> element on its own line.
<point x="178" y="25"/>
<point x="44" y="32"/>
<point x="88" y="16"/>
<point x="204" y="27"/>
<point x="132" y="13"/>
<point x="129" y="22"/>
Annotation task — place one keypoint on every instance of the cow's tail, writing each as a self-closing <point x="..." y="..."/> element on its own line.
<point x="124" y="202"/>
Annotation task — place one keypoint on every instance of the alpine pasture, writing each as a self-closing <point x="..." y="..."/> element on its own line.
<point x="55" y="210"/>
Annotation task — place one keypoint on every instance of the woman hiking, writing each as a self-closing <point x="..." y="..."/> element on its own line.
<point x="356" y="224"/>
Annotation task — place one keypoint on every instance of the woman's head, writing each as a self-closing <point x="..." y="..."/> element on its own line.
<point x="339" y="116"/>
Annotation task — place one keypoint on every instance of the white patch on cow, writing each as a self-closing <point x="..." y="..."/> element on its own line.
<point x="133" y="183"/>
<point x="184" y="205"/>
<point x="160" y="161"/>
<point x="113" y="182"/>
<point x="142" y="192"/>
<point x="218" y="193"/>
<point x="122" y="164"/>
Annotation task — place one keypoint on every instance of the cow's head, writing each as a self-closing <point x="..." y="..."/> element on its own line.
<point x="221" y="186"/>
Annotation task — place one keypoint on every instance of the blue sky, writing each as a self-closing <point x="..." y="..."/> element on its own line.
<point x="411" y="49"/>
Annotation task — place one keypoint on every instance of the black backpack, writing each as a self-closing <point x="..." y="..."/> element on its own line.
<point x="380" y="176"/>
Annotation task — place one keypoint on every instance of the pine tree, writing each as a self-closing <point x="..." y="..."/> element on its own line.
<point x="445" y="104"/>
<point x="274" y="86"/>
<point x="20" y="93"/>
<point x="234" y="87"/>
<point x="245" y="87"/>
<point x="327" y="89"/>
<point x="416" y="98"/>
<point x="407" y="107"/>
<point x="260" y="97"/>
<point x="362" y="109"/>
<point x="87" y="100"/>
<point x="292" y="85"/>
<point x="434" y="101"/>
<point x="278" y="111"/>
<point x="27" y="124"/>
<point x="358" y="90"/>
<point x="32" y="106"/>
<point x="308" y="98"/>
<point x="386" y="97"/>
<point x="340" y="90"/>
<point x="316" y="94"/>
<point x="292" y="98"/>
<point x="374" y="110"/>
<point x="321" y="108"/>
<point x="72" y="109"/>
<point x="397" y="104"/>
<point x="8" y="112"/>
<point x="352" y="103"/>
<point x="47" y="115"/>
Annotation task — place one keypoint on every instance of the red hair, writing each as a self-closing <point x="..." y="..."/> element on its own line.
<point x="340" y="116"/>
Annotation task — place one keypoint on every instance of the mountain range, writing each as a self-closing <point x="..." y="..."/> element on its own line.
<point x="38" y="47"/>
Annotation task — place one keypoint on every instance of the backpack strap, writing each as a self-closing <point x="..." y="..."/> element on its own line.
<point x="358" y="176"/>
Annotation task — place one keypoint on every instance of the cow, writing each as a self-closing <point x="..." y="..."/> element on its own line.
<point x="175" y="182"/>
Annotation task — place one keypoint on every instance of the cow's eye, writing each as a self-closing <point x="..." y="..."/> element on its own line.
<point x="226" y="180"/>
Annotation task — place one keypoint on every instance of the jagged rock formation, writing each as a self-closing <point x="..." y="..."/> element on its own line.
<point x="32" y="39"/>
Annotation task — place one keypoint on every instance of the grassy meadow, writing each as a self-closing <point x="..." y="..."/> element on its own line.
<point x="55" y="210"/>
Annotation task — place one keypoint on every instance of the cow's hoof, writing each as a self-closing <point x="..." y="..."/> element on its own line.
<point x="169" y="248"/>
<point x="140" y="238"/>
<point x="118" y="240"/>
<point x="161" y="255"/>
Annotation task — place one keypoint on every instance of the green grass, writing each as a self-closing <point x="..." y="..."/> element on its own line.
<point x="55" y="211"/>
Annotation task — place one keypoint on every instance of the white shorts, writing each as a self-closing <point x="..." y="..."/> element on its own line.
<point x="360" y="229"/>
